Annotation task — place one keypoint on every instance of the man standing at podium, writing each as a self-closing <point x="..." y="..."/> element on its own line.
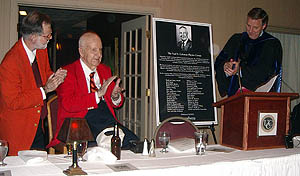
<point x="249" y="59"/>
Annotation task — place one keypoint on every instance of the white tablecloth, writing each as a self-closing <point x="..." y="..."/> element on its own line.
<point x="273" y="162"/>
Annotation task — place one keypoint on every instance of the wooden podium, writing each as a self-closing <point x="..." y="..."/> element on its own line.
<point x="255" y="120"/>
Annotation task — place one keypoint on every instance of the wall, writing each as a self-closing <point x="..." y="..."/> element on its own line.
<point x="226" y="17"/>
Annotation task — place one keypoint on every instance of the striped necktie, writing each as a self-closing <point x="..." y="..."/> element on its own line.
<point x="93" y="87"/>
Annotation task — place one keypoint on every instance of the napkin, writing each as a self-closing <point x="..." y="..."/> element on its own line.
<point x="296" y="141"/>
<point x="100" y="154"/>
<point x="32" y="157"/>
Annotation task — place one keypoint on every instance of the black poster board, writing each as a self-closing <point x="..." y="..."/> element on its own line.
<point x="184" y="73"/>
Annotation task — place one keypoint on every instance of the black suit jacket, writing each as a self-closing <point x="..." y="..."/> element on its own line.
<point x="186" y="47"/>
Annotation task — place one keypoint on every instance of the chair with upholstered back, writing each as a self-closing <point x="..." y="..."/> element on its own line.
<point x="178" y="127"/>
<point x="52" y="107"/>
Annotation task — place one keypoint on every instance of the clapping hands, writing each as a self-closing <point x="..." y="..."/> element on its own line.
<point x="116" y="91"/>
<point x="55" y="80"/>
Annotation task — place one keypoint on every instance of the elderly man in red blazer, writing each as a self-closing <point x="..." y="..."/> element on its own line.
<point x="25" y="79"/>
<point x="89" y="90"/>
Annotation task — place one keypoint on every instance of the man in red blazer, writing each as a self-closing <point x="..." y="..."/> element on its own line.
<point x="96" y="102"/>
<point x="25" y="79"/>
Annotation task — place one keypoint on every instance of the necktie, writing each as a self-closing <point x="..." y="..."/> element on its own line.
<point x="93" y="87"/>
<point x="38" y="80"/>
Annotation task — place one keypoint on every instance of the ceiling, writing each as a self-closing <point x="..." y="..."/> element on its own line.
<point x="71" y="23"/>
<point x="65" y="22"/>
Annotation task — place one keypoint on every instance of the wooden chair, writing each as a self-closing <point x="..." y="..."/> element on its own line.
<point x="178" y="127"/>
<point x="52" y="108"/>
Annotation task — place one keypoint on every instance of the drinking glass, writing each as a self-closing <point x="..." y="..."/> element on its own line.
<point x="81" y="150"/>
<point x="201" y="139"/>
<point x="3" y="151"/>
<point x="69" y="150"/>
<point x="164" y="139"/>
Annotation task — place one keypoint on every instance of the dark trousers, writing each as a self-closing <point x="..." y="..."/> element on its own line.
<point x="39" y="139"/>
<point x="101" y="118"/>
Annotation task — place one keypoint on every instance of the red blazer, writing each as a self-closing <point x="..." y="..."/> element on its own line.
<point x="73" y="97"/>
<point x="21" y="100"/>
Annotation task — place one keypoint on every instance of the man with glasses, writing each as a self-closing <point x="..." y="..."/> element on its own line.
<point x="25" y="79"/>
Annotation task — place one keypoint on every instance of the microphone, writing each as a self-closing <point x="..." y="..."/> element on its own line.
<point x="239" y="77"/>
<point x="242" y="55"/>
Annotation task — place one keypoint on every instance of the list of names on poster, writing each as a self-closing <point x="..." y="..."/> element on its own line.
<point x="183" y="75"/>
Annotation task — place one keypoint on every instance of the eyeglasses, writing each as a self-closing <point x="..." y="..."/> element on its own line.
<point x="47" y="36"/>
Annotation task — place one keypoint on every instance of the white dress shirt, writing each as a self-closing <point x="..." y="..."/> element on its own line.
<point x="31" y="56"/>
<point x="87" y="71"/>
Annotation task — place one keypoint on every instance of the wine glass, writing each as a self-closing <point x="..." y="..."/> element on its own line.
<point x="164" y="139"/>
<point x="69" y="150"/>
<point x="3" y="151"/>
<point x="81" y="150"/>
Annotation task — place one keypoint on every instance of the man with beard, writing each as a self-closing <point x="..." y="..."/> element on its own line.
<point x="25" y="79"/>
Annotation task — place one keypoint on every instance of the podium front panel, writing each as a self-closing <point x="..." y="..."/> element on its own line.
<point x="240" y="122"/>
<point x="257" y="106"/>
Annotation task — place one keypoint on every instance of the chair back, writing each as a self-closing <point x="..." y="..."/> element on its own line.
<point x="52" y="107"/>
<point x="178" y="127"/>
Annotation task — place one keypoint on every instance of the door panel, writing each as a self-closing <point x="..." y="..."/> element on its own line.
<point x="134" y="73"/>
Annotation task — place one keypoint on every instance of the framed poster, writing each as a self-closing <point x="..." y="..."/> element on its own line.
<point x="184" y="72"/>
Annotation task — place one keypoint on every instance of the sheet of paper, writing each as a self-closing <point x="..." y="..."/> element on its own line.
<point x="5" y="173"/>
<point x="182" y="145"/>
<point x="219" y="148"/>
<point x="266" y="87"/>
<point x="122" y="167"/>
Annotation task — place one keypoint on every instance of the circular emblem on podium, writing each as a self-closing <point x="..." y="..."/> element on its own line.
<point x="268" y="122"/>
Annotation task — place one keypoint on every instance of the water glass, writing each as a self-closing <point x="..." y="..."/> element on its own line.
<point x="201" y="140"/>
<point x="3" y="151"/>
<point x="164" y="139"/>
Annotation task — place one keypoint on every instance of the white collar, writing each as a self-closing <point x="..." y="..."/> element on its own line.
<point x="31" y="54"/>
<point x="86" y="69"/>
<point x="261" y="33"/>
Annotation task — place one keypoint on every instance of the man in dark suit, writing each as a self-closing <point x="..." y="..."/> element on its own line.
<point x="89" y="91"/>
<point x="185" y="44"/>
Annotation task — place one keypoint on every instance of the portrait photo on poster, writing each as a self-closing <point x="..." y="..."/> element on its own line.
<point x="184" y="72"/>
<point x="184" y="37"/>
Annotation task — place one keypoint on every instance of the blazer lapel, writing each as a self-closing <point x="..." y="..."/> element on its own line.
<point x="39" y="62"/>
<point x="100" y="75"/>
<point x="81" y="77"/>
<point x="27" y="69"/>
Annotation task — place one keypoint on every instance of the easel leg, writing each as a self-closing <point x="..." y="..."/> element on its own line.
<point x="212" y="129"/>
